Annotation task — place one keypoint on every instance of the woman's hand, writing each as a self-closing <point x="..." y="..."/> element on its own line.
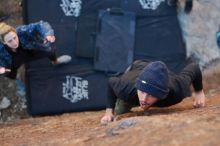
<point x="199" y="99"/>
<point x="4" y="70"/>
<point x="49" y="38"/>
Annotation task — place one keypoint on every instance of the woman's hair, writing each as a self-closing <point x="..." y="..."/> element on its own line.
<point x="5" y="29"/>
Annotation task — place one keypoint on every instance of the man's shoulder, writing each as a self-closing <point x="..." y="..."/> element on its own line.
<point x="139" y="64"/>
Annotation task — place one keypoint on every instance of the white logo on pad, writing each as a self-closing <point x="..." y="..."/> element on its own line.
<point x="75" y="89"/>
<point x="71" y="7"/>
<point x="150" y="4"/>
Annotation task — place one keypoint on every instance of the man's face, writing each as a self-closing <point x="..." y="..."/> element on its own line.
<point x="145" y="99"/>
<point x="11" y="40"/>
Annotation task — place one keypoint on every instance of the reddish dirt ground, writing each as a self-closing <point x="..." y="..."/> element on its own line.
<point x="177" y="125"/>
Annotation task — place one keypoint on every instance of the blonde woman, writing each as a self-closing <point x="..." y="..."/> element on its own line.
<point x="24" y="44"/>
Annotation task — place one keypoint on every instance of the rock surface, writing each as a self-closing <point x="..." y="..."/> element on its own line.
<point x="199" y="29"/>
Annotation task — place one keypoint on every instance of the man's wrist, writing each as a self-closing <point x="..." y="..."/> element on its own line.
<point x="109" y="110"/>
